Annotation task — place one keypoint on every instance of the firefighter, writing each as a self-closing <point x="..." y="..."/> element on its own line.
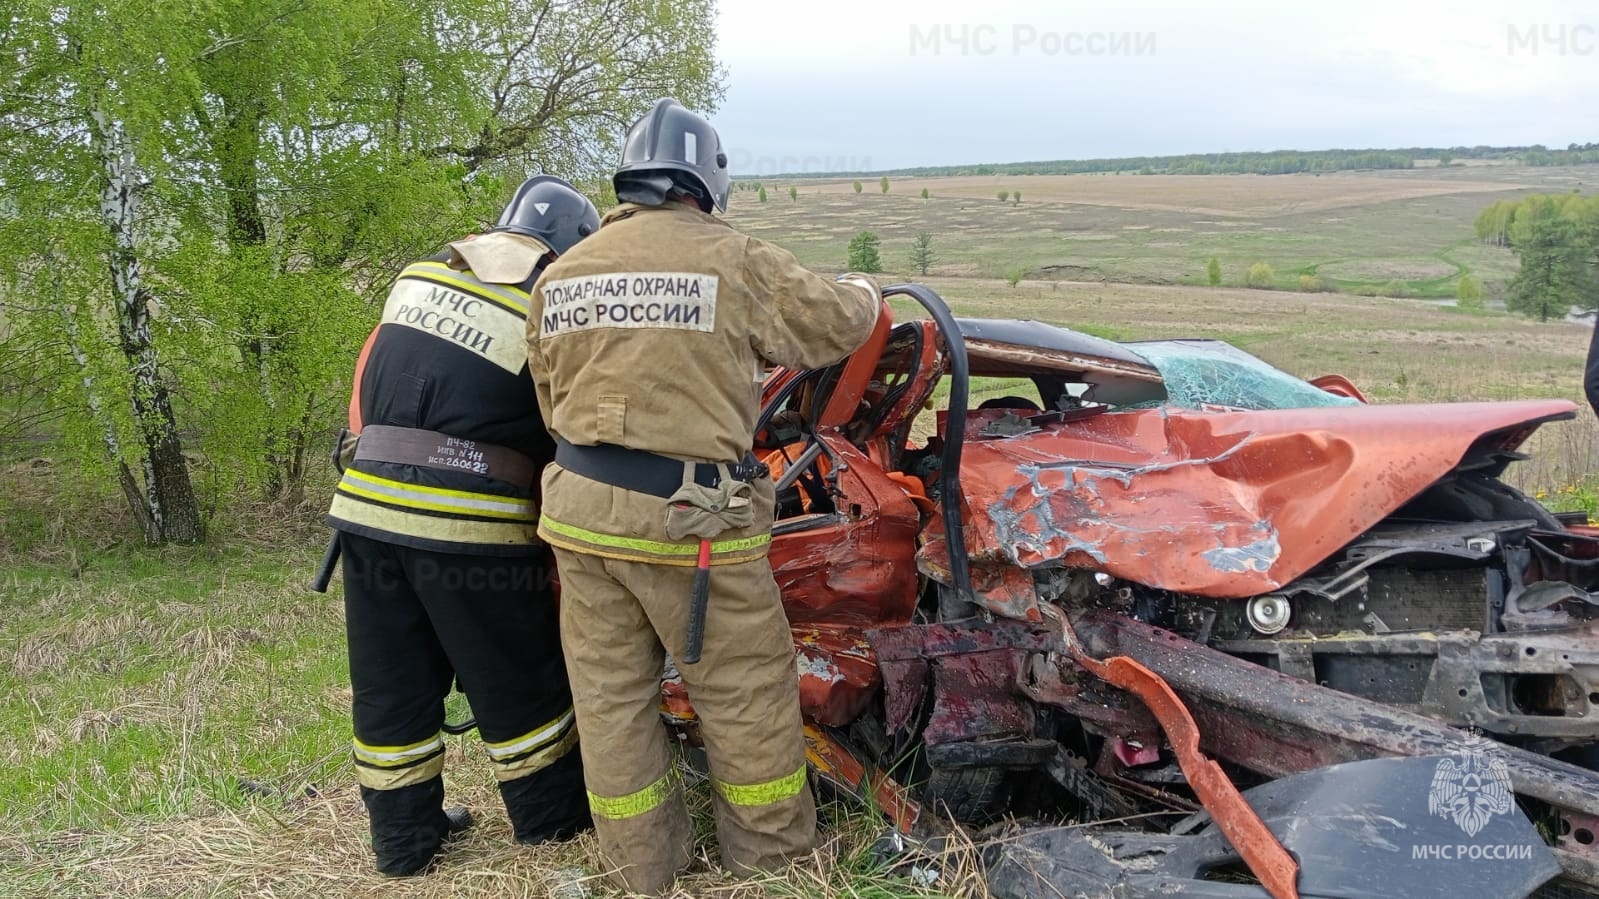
<point x="444" y="579"/>
<point x="647" y="344"/>
<point x="1590" y="369"/>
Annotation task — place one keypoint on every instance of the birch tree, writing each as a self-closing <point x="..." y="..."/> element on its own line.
<point x="204" y="203"/>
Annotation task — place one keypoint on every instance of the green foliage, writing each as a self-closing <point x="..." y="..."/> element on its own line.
<point x="763" y="195"/>
<point x="285" y="159"/>
<point x="924" y="193"/>
<point x="1445" y="158"/>
<point x="1574" y="154"/>
<point x="922" y="255"/>
<point x="1016" y="196"/>
<point x="884" y="184"/>
<point x="1557" y="241"/>
<point x="1213" y="272"/>
<point x="1014" y="276"/>
<point x="863" y="253"/>
<point x="1310" y="284"/>
<point x="1260" y="276"/>
<point x="793" y="194"/>
<point x="857" y="187"/>
<point x="1468" y="292"/>
<point x="1003" y="195"/>
<point x="1493" y="224"/>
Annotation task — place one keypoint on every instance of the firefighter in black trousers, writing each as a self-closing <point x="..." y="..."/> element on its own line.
<point x="444" y="577"/>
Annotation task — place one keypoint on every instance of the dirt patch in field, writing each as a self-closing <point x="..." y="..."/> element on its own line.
<point x="1214" y="195"/>
<point x="1388" y="270"/>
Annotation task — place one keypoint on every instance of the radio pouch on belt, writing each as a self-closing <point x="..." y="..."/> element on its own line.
<point x="344" y="449"/>
<point x="704" y="512"/>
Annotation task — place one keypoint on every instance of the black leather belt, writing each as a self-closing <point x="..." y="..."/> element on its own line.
<point x="432" y="449"/>
<point x="645" y="472"/>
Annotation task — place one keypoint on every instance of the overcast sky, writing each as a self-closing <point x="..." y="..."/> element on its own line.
<point x="863" y="84"/>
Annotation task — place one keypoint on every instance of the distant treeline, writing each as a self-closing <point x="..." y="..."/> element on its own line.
<point x="1277" y="162"/>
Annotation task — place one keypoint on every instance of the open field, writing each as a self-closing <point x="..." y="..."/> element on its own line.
<point x="175" y="722"/>
<point x="1357" y="232"/>
<point x="1229" y="196"/>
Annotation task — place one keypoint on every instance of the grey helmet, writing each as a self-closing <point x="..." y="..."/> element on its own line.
<point x="550" y="210"/>
<point x="672" y="147"/>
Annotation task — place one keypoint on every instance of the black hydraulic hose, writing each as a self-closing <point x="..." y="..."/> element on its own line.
<point x="954" y="430"/>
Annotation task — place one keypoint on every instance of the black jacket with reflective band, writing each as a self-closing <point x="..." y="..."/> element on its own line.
<point x="449" y="356"/>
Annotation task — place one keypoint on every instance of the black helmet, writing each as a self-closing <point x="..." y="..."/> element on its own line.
<point x="672" y="147"/>
<point x="550" y="210"/>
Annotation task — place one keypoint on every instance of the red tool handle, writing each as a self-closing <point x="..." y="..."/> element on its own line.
<point x="700" y="599"/>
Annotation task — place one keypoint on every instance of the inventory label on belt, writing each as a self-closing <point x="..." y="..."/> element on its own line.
<point x="682" y="301"/>
<point x="457" y="453"/>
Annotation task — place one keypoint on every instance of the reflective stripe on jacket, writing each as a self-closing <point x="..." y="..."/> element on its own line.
<point x="449" y="356"/>
<point x="653" y="334"/>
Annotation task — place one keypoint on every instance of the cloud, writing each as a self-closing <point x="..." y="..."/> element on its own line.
<point x="892" y="85"/>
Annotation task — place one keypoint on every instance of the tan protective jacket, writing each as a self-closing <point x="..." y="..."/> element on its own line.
<point x="653" y="334"/>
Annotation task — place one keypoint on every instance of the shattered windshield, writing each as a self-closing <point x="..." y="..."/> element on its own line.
<point x="1202" y="373"/>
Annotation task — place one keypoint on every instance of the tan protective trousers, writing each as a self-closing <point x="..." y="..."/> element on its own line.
<point x="616" y="617"/>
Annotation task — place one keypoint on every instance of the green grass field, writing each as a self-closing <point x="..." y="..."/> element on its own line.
<point x="175" y="721"/>
<point x="1357" y="231"/>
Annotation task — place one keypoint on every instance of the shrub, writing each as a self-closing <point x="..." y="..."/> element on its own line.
<point x="1003" y="195"/>
<point x="1468" y="292"/>
<point x="1213" y="272"/>
<point x="1261" y="276"/>
<point x="1310" y="284"/>
<point x="863" y="254"/>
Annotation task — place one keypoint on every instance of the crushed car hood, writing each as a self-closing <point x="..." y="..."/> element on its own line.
<point x="1215" y="503"/>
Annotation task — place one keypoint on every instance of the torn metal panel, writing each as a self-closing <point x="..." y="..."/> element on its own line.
<point x="834" y="763"/>
<point x="854" y="567"/>
<point x="838" y="674"/>
<point x="1260" y="849"/>
<point x="907" y="654"/>
<point x="1361" y="830"/>
<point x="1279" y="725"/>
<point x="1260" y="498"/>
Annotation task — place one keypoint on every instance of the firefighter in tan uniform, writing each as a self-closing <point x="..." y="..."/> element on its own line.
<point x="646" y="343"/>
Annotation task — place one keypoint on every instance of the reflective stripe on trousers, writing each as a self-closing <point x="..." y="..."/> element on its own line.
<point x="392" y="767"/>
<point x="535" y="750"/>
<point x="619" y="619"/>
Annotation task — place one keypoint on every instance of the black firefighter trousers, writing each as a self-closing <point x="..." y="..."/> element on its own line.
<point x="415" y="620"/>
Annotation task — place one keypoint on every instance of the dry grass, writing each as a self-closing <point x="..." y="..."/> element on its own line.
<point x="317" y="846"/>
<point x="174" y="723"/>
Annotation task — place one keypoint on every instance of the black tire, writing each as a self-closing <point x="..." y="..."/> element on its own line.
<point x="969" y="795"/>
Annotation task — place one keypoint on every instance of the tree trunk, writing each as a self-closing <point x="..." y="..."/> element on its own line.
<point x="174" y="512"/>
<point x="125" y="480"/>
<point x="238" y="149"/>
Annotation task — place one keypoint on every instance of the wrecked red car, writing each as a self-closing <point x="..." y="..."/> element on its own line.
<point x="1028" y="569"/>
